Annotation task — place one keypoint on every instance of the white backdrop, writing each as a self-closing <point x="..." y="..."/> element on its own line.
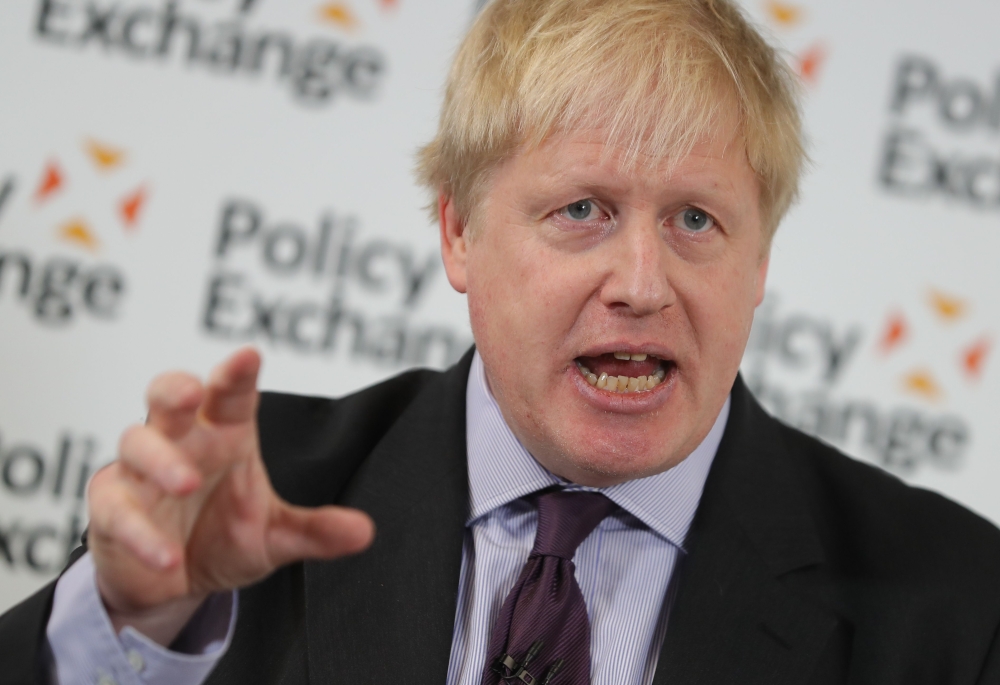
<point x="180" y="178"/>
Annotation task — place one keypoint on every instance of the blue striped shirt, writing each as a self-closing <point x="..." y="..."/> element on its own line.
<point x="625" y="568"/>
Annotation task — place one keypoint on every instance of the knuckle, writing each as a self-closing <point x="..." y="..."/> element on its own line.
<point x="100" y="482"/>
<point x="114" y="522"/>
<point x="102" y="503"/>
<point x="174" y="391"/>
<point x="130" y="440"/>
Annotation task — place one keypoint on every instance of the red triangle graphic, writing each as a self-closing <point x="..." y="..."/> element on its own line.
<point x="810" y="62"/>
<point x="974" y="357"/>
<point x="51" y="181"/>
<point x="130" y="206"/>
<point x="895" y="332"/>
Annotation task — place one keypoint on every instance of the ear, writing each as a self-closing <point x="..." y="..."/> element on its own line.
<point x="762" y="277"/>
<point x="454" y="242"/>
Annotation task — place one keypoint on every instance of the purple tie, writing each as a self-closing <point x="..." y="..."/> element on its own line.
<point x="542" y="635"/>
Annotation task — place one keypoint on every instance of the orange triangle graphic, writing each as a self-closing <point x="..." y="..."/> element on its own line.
<point x="338" y="13"/>
<point x="130" y="205"/>
<point x="895" y="333"/>
<point x="974" y="357"/>
<point x="51" y="181"/>
<point x="784" y="13"/>
<point x="922" y="383"/>
<point x="104" y="156"/>
<point x="947" y="307"/>
<point x="77" y="231"/>
<point x="810" y="61"/>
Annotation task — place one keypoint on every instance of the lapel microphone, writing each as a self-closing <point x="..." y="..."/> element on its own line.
<point x="509" y="669"/>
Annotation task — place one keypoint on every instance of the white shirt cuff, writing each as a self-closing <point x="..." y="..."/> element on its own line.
<point x="86" y="650"/>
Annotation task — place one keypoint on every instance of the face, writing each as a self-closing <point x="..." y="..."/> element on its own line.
<point x="584" y="277"/>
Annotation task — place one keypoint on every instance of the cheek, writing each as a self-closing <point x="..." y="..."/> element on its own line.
<point x="501" y="310"/>
<point x="524" y="293"/>
<point x="495" y="275"/>
<point x="721" y="306"/>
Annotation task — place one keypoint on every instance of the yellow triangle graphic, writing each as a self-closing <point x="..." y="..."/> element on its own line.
<point x="922" y="383"/>
<point x="338" y="13"/>
<point x="948" y="307"/>
<point x="104" y="156"/>
<point x="784" y="13"/>
<point x="77" y="232"/>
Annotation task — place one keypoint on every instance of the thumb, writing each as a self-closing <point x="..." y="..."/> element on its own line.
<point x="297" y="533"/>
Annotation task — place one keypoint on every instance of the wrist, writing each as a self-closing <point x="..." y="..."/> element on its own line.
<point x="161" y="623"/>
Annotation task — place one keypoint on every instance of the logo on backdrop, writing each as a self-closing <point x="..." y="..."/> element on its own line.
<point x="796" y="363"/>
<point x="810" y="54"/>
<point x="54" y="476"/>
<point x="60" y="288"/>
<point x="942" y="139"/>
<point x="323" y="288"/>
<point x="316" y="69"/>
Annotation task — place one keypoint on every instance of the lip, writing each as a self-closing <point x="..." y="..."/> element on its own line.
<point x="624" y="403"/>
<point x="655" y="349"/>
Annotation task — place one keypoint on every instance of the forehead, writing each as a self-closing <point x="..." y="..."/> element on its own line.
<point x="590" y="158"/>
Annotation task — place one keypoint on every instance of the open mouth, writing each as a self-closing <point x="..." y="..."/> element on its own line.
<point x="624" y="372"/>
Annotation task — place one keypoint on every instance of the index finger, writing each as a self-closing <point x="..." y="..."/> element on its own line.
<point x="173" y="400"/>
<point x="231" y="391"/>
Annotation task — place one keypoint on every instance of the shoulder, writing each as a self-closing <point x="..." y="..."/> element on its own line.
<point x="312" y="445"/>
<point x="875" y="525"/>
<point x="915" y="575"/>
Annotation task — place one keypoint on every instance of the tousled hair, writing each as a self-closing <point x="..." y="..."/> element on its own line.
<point x="657" y="76"/>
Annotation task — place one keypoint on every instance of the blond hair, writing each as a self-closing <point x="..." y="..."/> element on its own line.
<point x="656" y="75"/>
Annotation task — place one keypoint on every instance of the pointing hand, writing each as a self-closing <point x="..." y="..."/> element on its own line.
<point x="188" y="508"/>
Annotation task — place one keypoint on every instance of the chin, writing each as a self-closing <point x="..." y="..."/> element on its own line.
<point x="610" y="459"/>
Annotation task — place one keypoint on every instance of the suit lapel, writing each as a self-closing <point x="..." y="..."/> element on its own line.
<point x="387" y="615"/>
<point x="733" y="620"/>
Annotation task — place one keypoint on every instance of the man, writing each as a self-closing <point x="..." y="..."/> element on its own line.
<point x="590" y="496"/>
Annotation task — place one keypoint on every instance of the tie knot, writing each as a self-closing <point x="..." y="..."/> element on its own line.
<point x="565" y="519"/>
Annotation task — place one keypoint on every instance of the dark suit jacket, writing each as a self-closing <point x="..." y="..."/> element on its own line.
<point x="804" y="567"/>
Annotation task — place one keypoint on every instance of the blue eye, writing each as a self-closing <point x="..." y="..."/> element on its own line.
<point x="581" y="210"/>
<point x="694" y="220"/>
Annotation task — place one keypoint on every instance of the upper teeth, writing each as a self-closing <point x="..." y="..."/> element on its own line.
<point x="622" y="383"/>
<point x="636" y="357"/>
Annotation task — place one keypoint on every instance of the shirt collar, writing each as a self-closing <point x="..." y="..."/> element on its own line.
<point x="501" y="470"/>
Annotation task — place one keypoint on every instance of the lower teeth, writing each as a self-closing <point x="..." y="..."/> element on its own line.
<point x="622" y="384"/>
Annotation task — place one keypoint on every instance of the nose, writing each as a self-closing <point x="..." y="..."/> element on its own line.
<point x="638" y="281"/>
